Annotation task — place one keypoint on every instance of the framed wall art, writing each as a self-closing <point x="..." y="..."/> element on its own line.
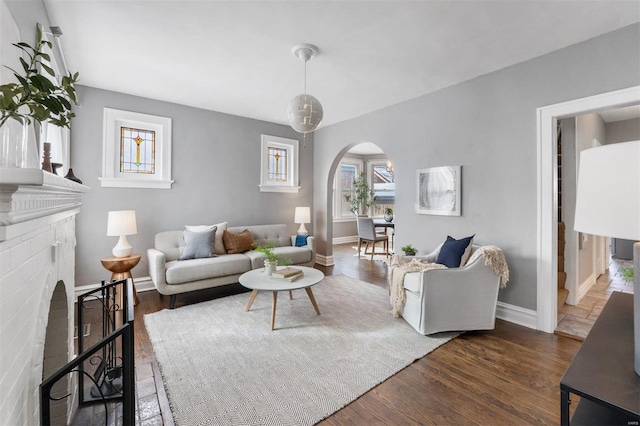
<point x="438" y="191"/>
<point x="136" y="150"/>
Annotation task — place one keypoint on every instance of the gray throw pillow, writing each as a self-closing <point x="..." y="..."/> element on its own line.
<point x="198" y="244"/>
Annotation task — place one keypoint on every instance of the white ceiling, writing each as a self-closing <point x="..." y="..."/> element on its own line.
<point x="235" y="56"/>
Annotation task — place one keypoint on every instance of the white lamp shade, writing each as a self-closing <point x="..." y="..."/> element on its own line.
<point x="305" y="113"/>
<point x="608" y="196"/>
<point x="302" y="215"/>
<point x="122" y="222"/>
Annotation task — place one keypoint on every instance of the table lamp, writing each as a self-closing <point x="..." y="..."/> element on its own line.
<point x="120" y="224"/>
<point x="608" y="204"/>
<point x="302" y="216"/>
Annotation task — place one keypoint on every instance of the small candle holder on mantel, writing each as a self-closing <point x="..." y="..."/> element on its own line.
<point x="46" y="157"/>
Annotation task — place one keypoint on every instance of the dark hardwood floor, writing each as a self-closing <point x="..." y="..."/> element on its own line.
<point x="506" y="376"/>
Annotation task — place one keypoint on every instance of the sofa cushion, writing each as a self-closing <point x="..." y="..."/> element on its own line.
<point x="198" y="244"/>
<point x="277" y="234"/>
<point x="185" y="271"/>
<point x="237" y="243"/>
<point x="220" y="228"/>
<point x="455" y="253"/>
<point x="297" y="255"/>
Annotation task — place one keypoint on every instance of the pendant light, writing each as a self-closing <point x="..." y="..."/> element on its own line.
<point x="305" y="111"/>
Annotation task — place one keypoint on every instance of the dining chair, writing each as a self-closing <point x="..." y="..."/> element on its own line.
<point x="367" y="234"/>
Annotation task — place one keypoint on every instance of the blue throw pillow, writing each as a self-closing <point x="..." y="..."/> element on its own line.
<point x="301" y="240"/>
<point x="454" y="252"/>
<point x="199" y="244"/>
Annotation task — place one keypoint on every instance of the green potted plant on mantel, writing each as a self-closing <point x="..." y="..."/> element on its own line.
<point x="409" y="250"/>
<point x="35" y="97"/>
<point x="363" y="197"/>
<point x="272" y="260"/>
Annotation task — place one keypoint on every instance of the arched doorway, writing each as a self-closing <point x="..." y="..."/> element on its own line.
<point x="349" y="163"/>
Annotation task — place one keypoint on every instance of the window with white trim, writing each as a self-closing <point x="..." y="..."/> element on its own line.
<point x="58" y="137"/>
<point x="279" y="164"/>
<point x="348" y="170"/>
<point x="383" y="186"/>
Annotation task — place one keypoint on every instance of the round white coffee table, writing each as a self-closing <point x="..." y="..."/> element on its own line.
<point x="257" y="280"/>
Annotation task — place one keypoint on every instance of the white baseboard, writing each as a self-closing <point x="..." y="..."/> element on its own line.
<point x="517" y="315"/>
<point x="584" y="288"/>
<point x="324" y="260"/>
<point x="345" y="240"/>
<point x="142" y="284"/>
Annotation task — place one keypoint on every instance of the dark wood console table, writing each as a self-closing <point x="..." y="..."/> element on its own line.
<point x="602" y="371"/>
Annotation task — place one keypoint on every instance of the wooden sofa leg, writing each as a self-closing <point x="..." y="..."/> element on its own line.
<point x="172" y="301"/>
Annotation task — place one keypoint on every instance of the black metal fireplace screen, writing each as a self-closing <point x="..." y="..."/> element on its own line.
<point x="105" y="369"/>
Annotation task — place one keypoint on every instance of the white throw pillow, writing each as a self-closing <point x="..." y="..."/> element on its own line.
<point x="221" y="227"/>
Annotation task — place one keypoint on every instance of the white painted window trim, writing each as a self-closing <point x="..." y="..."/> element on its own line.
<point x="547" y="267"/>
<point x="370" y="167"/>
<point x="337" y="192"/>
<point x="115" y="119"/>
<point x="292" y="147"/>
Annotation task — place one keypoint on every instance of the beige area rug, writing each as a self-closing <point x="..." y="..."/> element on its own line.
<point x="223" y="366"/>
<point x="378" y="257"/>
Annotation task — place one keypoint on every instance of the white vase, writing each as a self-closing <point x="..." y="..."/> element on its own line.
<point x="269" y="267"/>
<point x="18" y="147"/>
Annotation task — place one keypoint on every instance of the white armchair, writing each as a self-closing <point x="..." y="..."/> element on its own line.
<point x="454" y="299"/>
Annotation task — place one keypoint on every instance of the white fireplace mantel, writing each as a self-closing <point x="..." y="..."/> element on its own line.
<point x="31" y="198"/>
<point x="37" y="283"/>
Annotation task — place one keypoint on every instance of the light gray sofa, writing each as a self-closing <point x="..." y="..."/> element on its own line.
<point x="172" y="276"/>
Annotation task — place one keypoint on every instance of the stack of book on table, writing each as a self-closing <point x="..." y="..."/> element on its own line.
<point x="287" y="274"/>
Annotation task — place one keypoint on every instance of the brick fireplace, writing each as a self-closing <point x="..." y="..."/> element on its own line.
<point x="37" y="268"/>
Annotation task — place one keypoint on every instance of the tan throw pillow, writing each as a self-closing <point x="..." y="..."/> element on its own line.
<point x="221" y="227"/>
<point x="237" y="243"/>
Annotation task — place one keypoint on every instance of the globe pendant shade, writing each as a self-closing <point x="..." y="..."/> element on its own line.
<point x="305" y="113"/>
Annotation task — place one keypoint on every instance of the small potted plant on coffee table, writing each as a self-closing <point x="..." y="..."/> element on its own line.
<point x="409" y="250"/>
<point x="272" y="260"/>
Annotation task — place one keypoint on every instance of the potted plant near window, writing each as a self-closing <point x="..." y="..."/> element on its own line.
<point x="35" y="97"/>
<point x="409" y="250"/>
<point x="363" y="196"/>
<point x="272" y="260"/>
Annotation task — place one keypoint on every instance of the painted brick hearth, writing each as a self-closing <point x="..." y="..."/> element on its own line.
<point x="37" y="268"/>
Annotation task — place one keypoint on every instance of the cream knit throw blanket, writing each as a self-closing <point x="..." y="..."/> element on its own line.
<point x="399" y="268"/>
<point x="493" y="257"/>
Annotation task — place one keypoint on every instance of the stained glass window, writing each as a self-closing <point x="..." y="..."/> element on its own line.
<point x="137" y="151"/>
<point x="277" y="164"/>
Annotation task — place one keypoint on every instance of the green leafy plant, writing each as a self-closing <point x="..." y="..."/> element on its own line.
<point x="271" y="257"/>
<point x="626" y="273"/>
<point x="388" y="211"/>
<point x="35" y="96"/>
<point x="363" y="197"/>
<point x="409" y="250"/>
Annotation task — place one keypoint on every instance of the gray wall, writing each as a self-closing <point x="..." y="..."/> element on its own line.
<point x="623" y="131"/>
<point x="216" y="168"/>
<point x="488" y="126"/>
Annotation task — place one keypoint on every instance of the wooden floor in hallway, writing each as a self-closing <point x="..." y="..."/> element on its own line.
<point x="505" y="376"/>
<point x="575" y="321"/>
